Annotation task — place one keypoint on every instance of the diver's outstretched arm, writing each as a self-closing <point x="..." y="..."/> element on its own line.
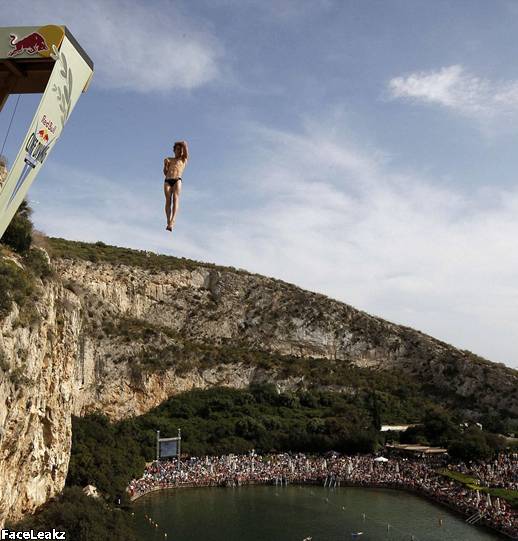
<point x="185" y="151"/>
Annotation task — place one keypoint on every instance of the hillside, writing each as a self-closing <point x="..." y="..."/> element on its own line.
<point x="120" y="331"/>
<point x="165" y="314"/>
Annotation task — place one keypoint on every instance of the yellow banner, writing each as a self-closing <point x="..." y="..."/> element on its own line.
<point x="68" y="79"/>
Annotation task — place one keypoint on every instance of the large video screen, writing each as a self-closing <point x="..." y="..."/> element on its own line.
<point x="168" y="448"/>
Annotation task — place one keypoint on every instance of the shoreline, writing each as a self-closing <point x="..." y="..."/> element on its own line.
<point x="387" y="486"/>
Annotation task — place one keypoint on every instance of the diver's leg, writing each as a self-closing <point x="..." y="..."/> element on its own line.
<point x="168" y="193"/>
<point x="177" y="190"/>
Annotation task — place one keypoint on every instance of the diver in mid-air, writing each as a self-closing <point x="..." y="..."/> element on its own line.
<point x="173" y="171"/>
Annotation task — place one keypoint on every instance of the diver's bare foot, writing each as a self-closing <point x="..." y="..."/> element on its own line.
<point x="169" y="227"/>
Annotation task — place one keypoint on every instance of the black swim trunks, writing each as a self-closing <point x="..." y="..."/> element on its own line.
<point x="172" y="181"/>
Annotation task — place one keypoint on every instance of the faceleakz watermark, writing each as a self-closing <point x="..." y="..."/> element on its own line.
<point x="31" y="534"/>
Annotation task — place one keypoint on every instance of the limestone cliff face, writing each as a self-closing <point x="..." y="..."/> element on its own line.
<point x="221" y="307"/>
<point x="36" y="401"/>
<point x="104" y="368"/>
<point x="121" y="339"/>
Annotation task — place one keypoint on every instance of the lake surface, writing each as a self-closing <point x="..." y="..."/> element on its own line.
<point x="269" y="513"/>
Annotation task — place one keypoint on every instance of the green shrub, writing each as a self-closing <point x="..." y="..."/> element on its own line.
<point x="18" y="377"/>
<point x="82" y="518"/>
<point x="18" y="234"/>
<point x="471" y="445"/>
<point x="15" y="285"/>
<point x="4" y="364"/>
<point x="38" y="263"/>
<point x="115" y="255"/>
<point x="105" y="455"/>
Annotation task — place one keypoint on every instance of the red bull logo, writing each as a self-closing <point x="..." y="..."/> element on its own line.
<point x="48" y="124"/>
<point x="31" y="44"/>
<point x="36" y="149"/>
<point x="44" y="136"/>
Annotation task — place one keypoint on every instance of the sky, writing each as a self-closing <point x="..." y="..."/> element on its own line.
<point x="362" y="149"/>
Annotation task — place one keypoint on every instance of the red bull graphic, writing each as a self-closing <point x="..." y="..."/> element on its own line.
<point x="36" y="148"/>
<point x="31" y="44"/>
<point x="44" y="136"/>
<point x="48" y="124"/>
<point x="37" y="145"/>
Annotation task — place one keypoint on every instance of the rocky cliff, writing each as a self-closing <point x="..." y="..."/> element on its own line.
<point x="119" y="331"/>
<point x="36" y="399"/>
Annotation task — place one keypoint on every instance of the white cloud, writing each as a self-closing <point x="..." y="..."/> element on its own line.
<point x="135" y="46"/>
<point x="314" y="209"/>
<point x="455" y="88"/>
<point x="335" y="219"/>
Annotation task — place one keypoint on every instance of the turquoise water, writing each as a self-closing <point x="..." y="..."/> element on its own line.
<point x="294" y="513"/>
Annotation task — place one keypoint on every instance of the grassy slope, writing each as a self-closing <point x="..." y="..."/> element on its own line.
<point x="115" y="255"/>
<point x="470" y="482"/>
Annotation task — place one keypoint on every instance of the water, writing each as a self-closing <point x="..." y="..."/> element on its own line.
<point x="267" y="513"/>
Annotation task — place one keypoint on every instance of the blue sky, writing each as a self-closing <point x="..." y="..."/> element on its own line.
<point x="363" y="149"/>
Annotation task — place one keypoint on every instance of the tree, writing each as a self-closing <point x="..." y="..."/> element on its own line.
<point x="18" y="234"/>
<point x="439" y="428"/>
<point x="81" y="517"/>
<point x="471" y="445"/>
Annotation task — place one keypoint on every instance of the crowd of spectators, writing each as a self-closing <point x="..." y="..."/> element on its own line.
<point x="415" y="474"/>
<point x="499" y="473"/>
